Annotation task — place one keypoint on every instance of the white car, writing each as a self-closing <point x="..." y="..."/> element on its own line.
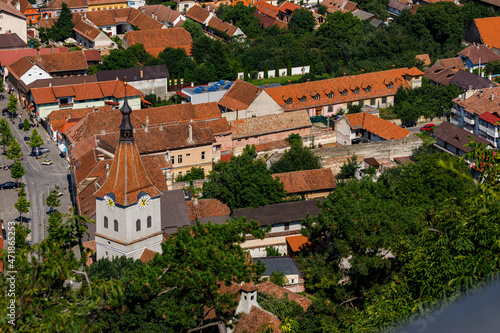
<point x="47" y="162"/>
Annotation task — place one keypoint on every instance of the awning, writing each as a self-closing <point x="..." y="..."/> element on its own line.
<point x="143" y="100"/>
<point x="111" y="103"/>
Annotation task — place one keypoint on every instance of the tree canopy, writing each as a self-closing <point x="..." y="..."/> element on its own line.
<point x="296" y="158"/>
<point x="244" y="181"/>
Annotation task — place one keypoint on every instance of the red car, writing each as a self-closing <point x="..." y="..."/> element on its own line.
<point x="427" y="127"/>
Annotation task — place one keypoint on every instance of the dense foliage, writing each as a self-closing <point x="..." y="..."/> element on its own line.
<point x="296" y="158"/>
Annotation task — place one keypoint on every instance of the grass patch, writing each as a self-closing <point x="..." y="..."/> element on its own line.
<point x="283" y="80"/>
<point x="388" y="113"/>
<point x="426" y="138"/>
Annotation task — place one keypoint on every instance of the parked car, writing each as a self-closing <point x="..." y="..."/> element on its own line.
<point x="47" y="162"/>
<point x="8" y="185"/>
<point x="20" y="126"/>
<point x="5" y="112"/>
<point x="409" y="123"/>
<point x="41" y="150"/>
<point x="427" y="127"/>
<point x="2" y="96"/>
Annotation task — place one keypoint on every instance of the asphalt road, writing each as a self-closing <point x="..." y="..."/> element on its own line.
<point x="39" y="179"/>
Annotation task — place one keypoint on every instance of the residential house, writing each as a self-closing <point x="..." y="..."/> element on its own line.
<point x="54" y="7"/>
<point x="285" y="265"/>
<point x="12" y="20"/>
<point x="106" y="4"/>
<point x="470" y="113"/>
<point x="32" y="14"/>
<point x="397" y="7"/>
<point x="89" y="36"/>
<point x="85" y="95"/>
<point x="470" y="82"/>
<point x="213" y="25"/>
<point x="328" y="97"/>
<point x="286" y="10"/>
<point x="451" y="63"/>
<point x="426" y="60"/>
<point x="208" y="210"/>
<point x="120" y="21"/>
<point x="428" y="2"/>
<point x="166" y="15"/>
<point x="308" y="183"/>
<point x="454" y="139"/>
<point x="284" y="219"/>
<point x="362" y="15"/>
<point x="149" y="80"/>
<point x="440" y="75"/>
<point x="12" y="42"/>
<point x="264" y="129"/>
<point x="244" y="100"/>
<point x="212" y="92"/>
<point x="155" y="41"/>
<point x="93" y="57"/>
<point x="295" y="244"/>
<point x="364" y="127"/>
<point x="184" y="5"/>
<point x="485" y="31"/>
<point x="477" y="57"/>
<point x="268" y="15"/>
<point x="345" y="6"/>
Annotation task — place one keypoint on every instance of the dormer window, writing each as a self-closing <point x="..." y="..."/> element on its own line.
<point x="390" y="85"/>
<point x="344" y="92"/>
<point x="330" y="94"/>
<point x="368" y="89"/>
<point x="289" y="101"/>
<point x="356" y="90"/>
<point x="302" y="99"/>
<point x="316" y="97"/>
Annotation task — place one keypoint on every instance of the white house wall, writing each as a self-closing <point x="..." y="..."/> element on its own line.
<point x="14" y="24"/>
<point x="33" y="74"/>
<point x="154" y="86"/>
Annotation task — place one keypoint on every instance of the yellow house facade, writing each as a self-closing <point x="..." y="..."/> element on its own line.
<point x="106" y="4"/>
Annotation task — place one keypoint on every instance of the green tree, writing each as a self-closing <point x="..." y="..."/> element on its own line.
<point x="245" y="74"/>
<point x="22" y="233"/>
<point x="278" y="278"/>
<point x="194" y="174"/>
<point x="14" y="150"/>
<point x="12" y="105"/>
<point x="17" y="171"/>
<point x="26" y="125"/>
<point x="356" y="108"/>
<point x="289" y="67"/>
<point x="193" y="28"/>
<point x="493" y="67"/>
<point x="2" y="89"/>
<point x="5" y="132"/>
<point x="271" y="251"/>
<point x="296" y="158"/>
<point x="35" y="139"/>
<point x="277" y="69"/>
<point x="266" y="71"/>
<point x="321" y="10"/>
<point x="63" y="27"/>
<point x="199" y="261"/>
<point x="53" y="199"/>
<point x="244" y="181"/>
<point x="302" y="21"/>
<point x="349" y="168"/>
<point x="22" y="206"/>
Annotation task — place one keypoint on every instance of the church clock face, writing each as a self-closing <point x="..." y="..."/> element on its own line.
<point x="109" y="202"/>
<point x="143" y="201"/>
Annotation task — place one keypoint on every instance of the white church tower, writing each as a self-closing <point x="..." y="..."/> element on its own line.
<point x="128" y="217"/>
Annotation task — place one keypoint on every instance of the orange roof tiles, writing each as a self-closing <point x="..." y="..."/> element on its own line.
<point x="57" y="4"/>
<point x="451" y="63"/>
<point x="179" y="113"/>
<point x="307" y="180"/>
<point x="377" y="126"/>
<point x="155" y="41"/>
<point x="479" y="54"/>
<point x="488" y="29"/>
<point x="370" y="85"/>
<point x="8" y="8"/>
<point x="286" y="5"/>
<point x="479" y="103"/>
<point x="267" y="9"/>
<point x="254" y="321"/>
<point x="20" y="67"/>
<point x="86" y="30"/>
<point x="207" y="208"/>
<point x="239" y="96"/>
<point x="425" y="58"/>
<point x="273" y="123"/>
<point x="296" y="242"/>
<point x="147" y="255"/>
<point x="8" y="57"/>
<point x="127" y="177"/>
<point x="60" y="62"/>
<point x="268" y="287"/>
<point x="198" y="14"/>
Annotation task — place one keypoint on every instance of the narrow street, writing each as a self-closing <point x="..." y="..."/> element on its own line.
<point x="39" y="179"/>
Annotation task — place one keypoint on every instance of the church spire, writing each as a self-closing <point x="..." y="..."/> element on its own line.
<point x="126" y="128"/>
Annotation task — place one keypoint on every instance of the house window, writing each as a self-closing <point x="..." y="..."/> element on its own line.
<point x="356" y="91"/>
<point x="202" y="155"/>
<point x="149" y="222"/>
<point x="172" y="159"/>
<point x="330" y="95"/>
<point x="384" y="100"/>
<point x="287" y="226"/>
<point x="349" y="105"/>
<point x="316" y="97"/>
<point x="372" y="101"/>
<point x="180" y="174"/>
<point x="179" y="159"/>
<point x="289" y="101"/>
<point x="303" y="99"/>
<point x="138" y="225"/>
<point x="116" y="225"/>
<point x="187" y="155"/>
<point x="368" y="89"/>
<point x="344" y="92"/>
<point x="390" y="85"/>
<point x="106" y="222"/>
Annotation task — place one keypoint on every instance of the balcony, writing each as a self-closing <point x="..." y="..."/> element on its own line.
<point x="455" y="121"/>
<point x="469" y="121"/>
<point x="455" y="111"/>
<point x="489" y="131"/>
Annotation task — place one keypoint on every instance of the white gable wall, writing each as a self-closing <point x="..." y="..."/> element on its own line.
<point x="33" y="74"/>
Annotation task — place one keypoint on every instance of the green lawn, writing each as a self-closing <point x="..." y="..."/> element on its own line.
<point x="428" y="140"/>
<point x="283" y="80"/>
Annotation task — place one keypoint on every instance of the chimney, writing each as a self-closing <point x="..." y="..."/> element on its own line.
<point x="160" y="128"/>
<point x="362" y="71"/>
<point x="308" y="80"/>
<point x="190" y="132"/>
<point x="100" y="157"/>
<point x="69" y="116"/>
<point x="192" y="84"/>
<point x="38" y="51"/>
<point x="50" y="84"/>
<point x="83" y="81"/>
<point x="116" y="78"/>
<point x="142" y="73"/>
<point x="18" y="6"/>
<point x="344" y="74"/>
<point x="266" y="85"/>
<point x="107" y="170"/>
<point x="491" y="97"/>
<point x="248" y="298"/>
<point x="195" y="199"/>
<point x="147" y="124"/>
<point x="480" y="93"/>
<point x="393" y="66"/>
<point x="289" y="82"/>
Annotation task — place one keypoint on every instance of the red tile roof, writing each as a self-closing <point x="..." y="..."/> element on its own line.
<point x="197" y="14"/>
<point x="486" y="100"/>
<point x="161" y="13"/>
<point x="86" y="30"/>
<point x="104" y="2"/>
<point x="10" y="9"/>
<point x="339" y="5"/>
<point x="207" y="208"/>
<point x="8" y="57"/>
<point x="286" y="5"/>
<point x="92" y="55"/>
<point x="268" y="287"/>
<point x="377" y="126"/>
<point x="377" y="82"/>
<point x="239" y="96"/>
<point x="296" y="242"/>
<point x="179" y="113"/>
<point x="451" y="63"/>
<point x="268" y="21"/>
<point x="273" y="123"/>
<point x="57" y="4"/>
<point x="127" y="177"/>
<point x="155" y="41"/>
<point x="254" y="321"/>
<point x="488" y="29"/>
<point x="20" y="67"/>
<point x="425" y="58"/>
<point x="490" y="118"/>
<point x="267" y="9"/>
<point x="60" y="62"/>
<point x="147" y="255"/>
<point x="479" y="54"/>
<point x="307" y="180"/>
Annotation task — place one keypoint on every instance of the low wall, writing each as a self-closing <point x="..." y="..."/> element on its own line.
<point x="282" y="72"/>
